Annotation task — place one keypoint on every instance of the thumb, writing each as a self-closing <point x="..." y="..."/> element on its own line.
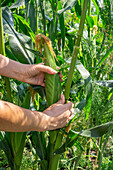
<point x="62" y="99"/>
<point x="46" y="69"/>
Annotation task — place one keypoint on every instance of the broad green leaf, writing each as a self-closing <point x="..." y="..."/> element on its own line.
<point x="21" y="53"/>
<point x="97" y="131"/>
<point x="44" y="164"/>
<point x="26" y="25"/>
<point x="96" y="6"/>
<point x="62" y="25"/>
<point x="9" y="54"/>
<point x="5" y="146"/>
<point x="78" y="9"/>
<point x="88" y="87"/>
<point x="71" y="140"/>
<point x="16" y="39"/>
<point x="17" y="144"/>
<point x="40" y="148"/>
<point x="105" y="83"/>
<point x="68" y="5"/>
<point x="33" y="51"/>
<point x="90" y="21"/>
<point x="32" y="17"/>
<point x="18" y="4"/>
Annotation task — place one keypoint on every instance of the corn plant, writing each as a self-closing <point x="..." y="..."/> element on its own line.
<point x="12" y="140"/>
<point x="50" y="145"/>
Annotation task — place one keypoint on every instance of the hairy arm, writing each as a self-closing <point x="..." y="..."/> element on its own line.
<point x="32" y="74"/>
<point x="16" y="119"/>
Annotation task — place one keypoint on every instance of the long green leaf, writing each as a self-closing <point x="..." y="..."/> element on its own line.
<point x="37" y="140"/>
<point x="18" y="4"/>
<point x="88" y="87"/>
<point x="97" y="131"/>
<point x="72" y="137"/>
<point x="16" y="39"/>
<point x="62" y="26"/>
<point x="26" y="25"/>
<point x="105" y="83"/>
<point x="68" y="5"/>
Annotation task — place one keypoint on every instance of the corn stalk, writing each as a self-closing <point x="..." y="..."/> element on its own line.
<point x="2" y="51"/>
<point x="76" y="50"/>
<point x="16" y="140"/>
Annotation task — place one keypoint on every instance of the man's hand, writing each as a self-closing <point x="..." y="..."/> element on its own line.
<point x="32" y="74"/>
<point x="59" y="114"/>
<point x="35" y="74"/>
<point x="16" y="119"/>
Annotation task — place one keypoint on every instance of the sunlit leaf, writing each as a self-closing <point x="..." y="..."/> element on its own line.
<point x="68" y="5"/>
<point x="97" y="131"/>
<point x="90" y="21"/>
<point x="16" y="39"/>
<point x="88" y="87"/>
<point x="18" y="4"/>
<point x="105" y="83"/>
<point x="26" y="25"/>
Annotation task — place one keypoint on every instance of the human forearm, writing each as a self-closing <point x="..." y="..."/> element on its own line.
<point x="16" y="119"/>
<point x="11" y="68"/>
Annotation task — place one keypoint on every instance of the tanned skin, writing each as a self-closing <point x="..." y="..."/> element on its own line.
<point x="17" y="119"/>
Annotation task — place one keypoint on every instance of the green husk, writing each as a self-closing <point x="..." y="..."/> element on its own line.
<point x="53" y="84"/>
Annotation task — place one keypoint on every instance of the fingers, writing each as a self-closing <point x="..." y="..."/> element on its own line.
<point x="46" y="69"/>
<point x="62" y="99"/>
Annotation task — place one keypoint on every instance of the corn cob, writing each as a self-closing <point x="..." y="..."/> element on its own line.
<point x="53" y="85"/>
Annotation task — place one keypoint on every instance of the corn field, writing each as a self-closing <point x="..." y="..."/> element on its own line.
<point x="77" y="36"/>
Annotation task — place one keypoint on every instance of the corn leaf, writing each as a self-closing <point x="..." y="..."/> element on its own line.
<point x="25" y="24"/>
<point x="17" y="4"/>
<point x="16" y="39"/>
<point x="88" y="87"/>
<point x="105" y="83"/>
<point x="39" y="145"/>
<point x="68" y="5"/>
<point x="97" y="131"/>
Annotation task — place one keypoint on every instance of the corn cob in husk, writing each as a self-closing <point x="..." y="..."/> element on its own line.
<point x="53" y="85"/>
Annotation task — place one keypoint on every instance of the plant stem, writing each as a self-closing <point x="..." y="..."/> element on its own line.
<point x="76" y="50"/>
<point x="2" y="46"/>
<point x="89" y="14"/>
<point x="36" y="11"/>
<point x="43" y="15"/>
<point x="2" y="51"/>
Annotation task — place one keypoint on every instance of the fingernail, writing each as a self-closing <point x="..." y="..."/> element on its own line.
<point x="61" y="80"/>
<point x="58" y="68"/>
<point x="54" y="72"/>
